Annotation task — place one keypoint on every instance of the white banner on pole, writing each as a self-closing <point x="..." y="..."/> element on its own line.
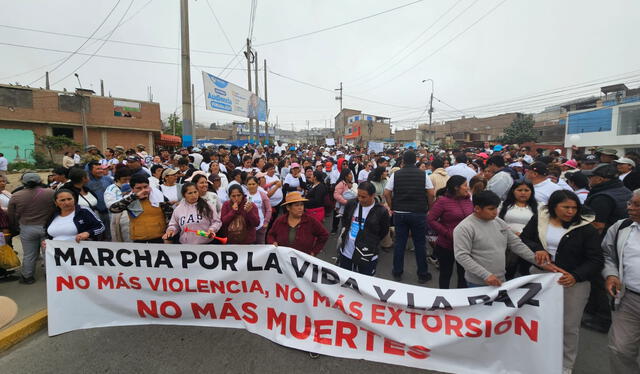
<point x="330" y="141"/>
<point x="305" y="303"/>
<point x="223" y="96"/>
<point x="377" y="147"/>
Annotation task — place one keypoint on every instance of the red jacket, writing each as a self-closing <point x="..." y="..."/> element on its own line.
<point x="251" y="218"/>
<point x="445" y="215"/>
<point x="310" y="235"/>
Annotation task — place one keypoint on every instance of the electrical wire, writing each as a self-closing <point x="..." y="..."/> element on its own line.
<point x="136" y="44"/>
<point x="338" y="25"/>
<point x="82" y="45"/>
<point x="213" y="13"/>
<point x="442" y="46"/>
<point x="417" y="48"/>
<point x="100" y="47"/>
<point x="114" y="57"/>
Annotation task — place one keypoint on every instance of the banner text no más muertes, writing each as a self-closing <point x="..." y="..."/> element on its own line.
<point x="303" y="302"/>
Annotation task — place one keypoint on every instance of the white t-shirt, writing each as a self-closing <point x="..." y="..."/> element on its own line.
<point x="170" y="192"/>
<point x="4" y="163"/>
<point x="276" y="198"/>
<point x="554" y="235"/>
<point x="582" y="194"/>
<point x="154" y="182"/>
<point x="461" y="169"/>
<point x="517" y="217"/>
<point x="4" y="201"/>
<point x="257" y="199"/>
<point x="544" y="189"/>
<point x="631" y="259"/>
<point x="63" y="228"/>
<point x="350" y="246"/>
<point x="363" y="175"/>
<point x="293" y="182"/>
<point x="88" y="201"/>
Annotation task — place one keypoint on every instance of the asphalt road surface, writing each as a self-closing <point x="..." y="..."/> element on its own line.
<point x="178" y="349"/>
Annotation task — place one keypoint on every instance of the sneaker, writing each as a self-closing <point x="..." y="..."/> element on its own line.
<point x="595" y="324"/>
<point x="425" y="278"/>
<point x="29" y="280"/>
<point x="314" y="355"/>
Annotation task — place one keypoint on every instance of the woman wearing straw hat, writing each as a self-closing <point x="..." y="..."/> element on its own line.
<point x="296" y="229"/>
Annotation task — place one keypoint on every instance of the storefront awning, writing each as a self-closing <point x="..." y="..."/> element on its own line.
<point x="169" y="140"/>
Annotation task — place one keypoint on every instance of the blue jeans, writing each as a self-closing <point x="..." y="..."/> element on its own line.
<point x="416" y="223"/>
<point x="369" y="269"/>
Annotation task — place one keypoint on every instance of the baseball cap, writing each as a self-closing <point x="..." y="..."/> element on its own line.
<point x="609" y="152"/>
<point x="295" y="165"/>
<point x="571" y="163"/>
<point x="168" y="172"/>
<point x="590" y="159"/>
<point x="497" y="148"/>
<point x="539" y="167"/>
<point x="603" y="170"/>
<point x="328" y="165"/>
<point x="133" y="158"/>
<point x="624" y="160"/>
<point x="31" y="178"/>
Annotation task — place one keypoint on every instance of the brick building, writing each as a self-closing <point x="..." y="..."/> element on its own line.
<point x="474" y="130"/>
<point x="353" y="126"/>
<point x="27" y="113"/>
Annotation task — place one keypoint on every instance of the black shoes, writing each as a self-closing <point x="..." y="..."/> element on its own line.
<point x="596" y="324"/>
<point x="424" y="279"/>
<point x="29" y="280"/>
<point x="397" y="277"/>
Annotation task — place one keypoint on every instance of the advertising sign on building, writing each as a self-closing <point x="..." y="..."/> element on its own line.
<point x="226" y="97"/>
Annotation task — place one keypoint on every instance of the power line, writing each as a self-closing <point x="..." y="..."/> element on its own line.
<point x="99" y="47"/>
<point x="339" y="25"/>
<point x="85" y="42"/>
<point x="427" y="40"/>
<point x="113" y="57"/>
<point x="213" y="13"/>
<point x="444" y="45"/>
<point x="329" y="90"/>
<point x="32" y="70"/>
<point x="136" y="44"/>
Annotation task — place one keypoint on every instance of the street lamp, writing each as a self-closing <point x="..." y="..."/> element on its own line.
<point x="431" y="135"/>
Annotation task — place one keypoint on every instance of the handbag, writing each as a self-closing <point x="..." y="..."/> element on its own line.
<point x="8" y="257"/>
<point x="365" y="248"/>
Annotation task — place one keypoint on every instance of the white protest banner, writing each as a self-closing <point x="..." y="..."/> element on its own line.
<point x="376" y="147"/>
<point x="330" y="141"/>
<point x="305" y="303"/>
<point x="223" y="96"/>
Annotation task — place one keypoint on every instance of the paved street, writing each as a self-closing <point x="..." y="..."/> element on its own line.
<point x="172" y="349"/>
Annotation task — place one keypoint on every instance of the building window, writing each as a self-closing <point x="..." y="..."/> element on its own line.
<point x="629" y="120"/>
<point x="72" y="103"/>
<point x="591" y="121"/>
<point x="62" y="131"/>
<point x="16" y="98"/>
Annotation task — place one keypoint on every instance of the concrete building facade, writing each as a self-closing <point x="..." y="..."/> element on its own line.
<point x="27" y="113"/>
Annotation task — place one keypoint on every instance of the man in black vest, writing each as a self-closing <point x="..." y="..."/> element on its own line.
<point x="409" y="192"/>
<point x="608" y="199"/>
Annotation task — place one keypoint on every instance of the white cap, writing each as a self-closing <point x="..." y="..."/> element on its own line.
<point x="624" y="160"/>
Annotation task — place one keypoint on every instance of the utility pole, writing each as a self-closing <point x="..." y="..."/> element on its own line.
<point x="248" y="55"/>
<point x="308" y="134"/>
<point x="432" y="138"/>
<point x="101" y="87"/>
<point x="83" y="115"/>
<point x="266" y="106"/>
<point x="339" y="97"/>
<point x="46" y="80"/>
<point x="344" y="123"/>
<point x="193" y="114"/>
<point x="256" y="86"/>
<point x="187" y="129"/>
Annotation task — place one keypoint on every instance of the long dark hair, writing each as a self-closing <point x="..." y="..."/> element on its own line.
<point x="452" y="183"/>
<point x="343" y="175"/>
<point x="510" y="201"/>
<point x="201" y="205"/>
<point x="560" y="196"/>
<point x="376" y="174"/>
<point x="64" y="190"/>
<point x="197" y="178"/>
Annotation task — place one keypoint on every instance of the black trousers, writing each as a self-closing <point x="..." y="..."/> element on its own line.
<point x="447" y="261"/>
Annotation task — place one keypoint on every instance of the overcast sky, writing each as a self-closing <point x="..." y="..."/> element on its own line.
<point x="485" y="57"/>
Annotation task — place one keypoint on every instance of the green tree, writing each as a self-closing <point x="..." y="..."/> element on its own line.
<point x="174" y="122"/>
<point x="521" y="130"/>
<point x="56" y="143"/>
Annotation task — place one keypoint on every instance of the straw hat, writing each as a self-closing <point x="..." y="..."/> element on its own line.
<point x="293" y="197"/>
<point x="8" y="310"/>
